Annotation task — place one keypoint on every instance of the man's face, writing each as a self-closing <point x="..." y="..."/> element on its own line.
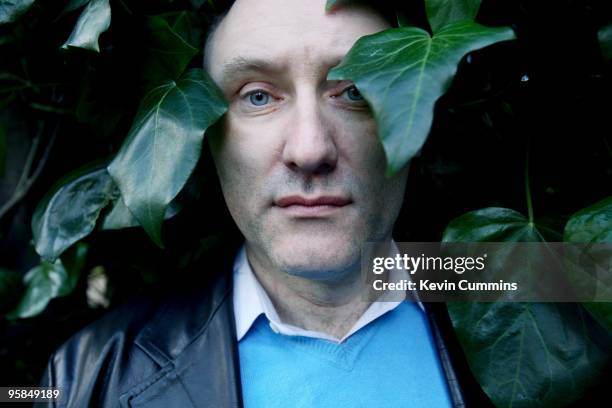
<point x="299" y="160"/>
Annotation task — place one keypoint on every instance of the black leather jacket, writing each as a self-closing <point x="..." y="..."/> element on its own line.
<point x="181" y="351"/>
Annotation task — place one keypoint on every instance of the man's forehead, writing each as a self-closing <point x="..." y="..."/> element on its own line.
<point x="275" y="33"/>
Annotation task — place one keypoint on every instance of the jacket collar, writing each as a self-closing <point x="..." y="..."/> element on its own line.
<point x="193" y="340"/>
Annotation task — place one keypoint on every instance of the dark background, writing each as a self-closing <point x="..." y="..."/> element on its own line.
<point x="546" y="95"/>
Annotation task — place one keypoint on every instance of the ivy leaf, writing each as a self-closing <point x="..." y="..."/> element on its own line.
<point x="70" y="211"/>
<point x="531" y="354"/>
<point x="524" y="354"/>
<point x="187" y="26"/>
<point x="164" y="145"/>
<point x="601" y="311"/>
<point x="441" y="13"/>
<point x="594" y="225"/>
<point x="78" y="204"/>
<point x="49" y="280"/>
<point x="507" y="228"/>
<point x="493" y="224"/>
<point x="121" y="217"/>
<point x="403" y="71"/>
<point x="10" y="10"/>
<point x="591" y="224"/>
<point x="93" y="21"/>
<point x="604" y="35"/>
<point x="44" y="282"/>
<point x="168" y="53"/>
<point x="73" y="5"/>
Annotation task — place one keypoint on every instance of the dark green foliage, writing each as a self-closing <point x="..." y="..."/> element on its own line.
<point x="594" y="225"/>
<point x="525" y="354"/>
<point x="605" y="41"/>
<point x="71" y="212"/>
<point x="408" y="65"/>
<point x="169" y="48"/>
<point x="50" y="280"/>
<point x="163" y="146"/>
<point x="120" y="83"/>
<point x="441" y="13"/>
<point x="531" y="354"/>
<point x="11" y="9"/>
<point x="93" y="21"/>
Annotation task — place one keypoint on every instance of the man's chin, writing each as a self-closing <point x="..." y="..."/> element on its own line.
<point x="318" y="259"/>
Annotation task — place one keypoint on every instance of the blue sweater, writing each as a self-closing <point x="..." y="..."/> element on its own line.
<point x="391" y="362"/>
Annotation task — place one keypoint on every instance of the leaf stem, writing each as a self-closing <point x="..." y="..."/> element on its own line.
<point x="50" y="108"/>
<point x="25" y="182"/>
<point x="527" y="189"/>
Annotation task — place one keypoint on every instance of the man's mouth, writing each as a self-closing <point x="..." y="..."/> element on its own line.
<point x="312" y="207"/>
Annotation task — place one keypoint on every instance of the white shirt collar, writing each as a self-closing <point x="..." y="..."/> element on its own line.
<point x="250" y="300"/>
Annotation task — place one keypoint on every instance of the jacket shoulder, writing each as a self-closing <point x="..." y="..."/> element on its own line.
<point x="93" y="363"/>
<point x="130" y="345"/>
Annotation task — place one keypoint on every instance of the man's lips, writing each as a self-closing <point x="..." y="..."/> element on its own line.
<point x="336" y="201"/>
<point x="311" y="207"/>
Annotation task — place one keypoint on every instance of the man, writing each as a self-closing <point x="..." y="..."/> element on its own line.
<point x="303" y="175"/>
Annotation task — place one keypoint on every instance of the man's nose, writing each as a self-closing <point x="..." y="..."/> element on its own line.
<point x="310" y="147"/>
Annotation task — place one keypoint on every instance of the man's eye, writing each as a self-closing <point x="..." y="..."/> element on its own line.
<point x="353" y="94"/>
<point x="259" y="98"/>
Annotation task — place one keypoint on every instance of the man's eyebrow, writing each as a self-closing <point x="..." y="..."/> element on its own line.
<point x="240" y="66"/>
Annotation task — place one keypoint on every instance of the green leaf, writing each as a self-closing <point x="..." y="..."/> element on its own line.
<point x="594" y="225"/>
<point x="493" y="224"/>
<point x="605" y="41"/>
<point x="531" y="354"/>
<point x="44" y="282"/>
<point x="121" y="217"/>
<point x="10" y="10"/>
<point x="187" y="26"/>
<point x="403" y="71"/>
<point x="591" y="224"/>
<point x="93" y="21"/>
<point x="49" y="280"/>
<point x="505" y="227"/>
<point x="441" y="13"/>
<point x="602" y="312"/>
<point x="168" y="53"/>
<point x="164" y="145"/>
<point x="74" y="4"/>
<point x="70" y="212"/>
<point x="524" y="354"/>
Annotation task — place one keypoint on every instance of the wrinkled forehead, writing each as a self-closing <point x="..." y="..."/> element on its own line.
<point x="287" y="33"/>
